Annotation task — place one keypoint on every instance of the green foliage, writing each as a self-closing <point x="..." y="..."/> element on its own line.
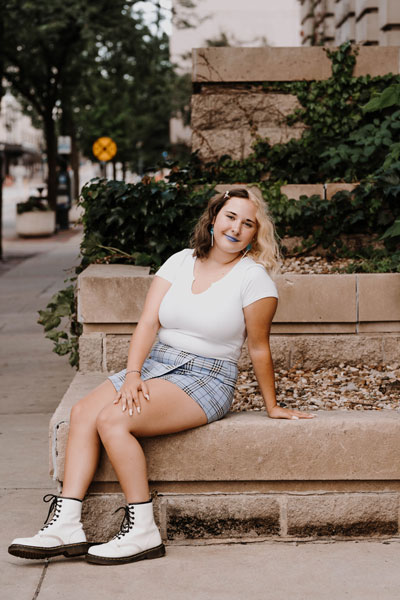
<point x="89" y="68"/>
<point x="389" y="97"/>
<point x="33" y="204"/>
<point x="60" y="323"/>
<point x="375" y="261"/>
<point x="142" y="223"/>
<point x="333" y="145"/>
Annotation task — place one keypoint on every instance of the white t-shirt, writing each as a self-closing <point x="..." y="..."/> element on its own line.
<point x="211" y="323"/>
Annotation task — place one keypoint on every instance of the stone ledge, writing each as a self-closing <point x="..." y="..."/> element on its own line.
<point x="308" y="303"/>
<point x="336" y="476"/>
<point x="212" y="65"/>
<point x="338" y="445"/>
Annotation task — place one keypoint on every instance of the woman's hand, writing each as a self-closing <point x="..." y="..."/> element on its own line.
<point x="130" y="394"/>
<point x="278" y="412"/>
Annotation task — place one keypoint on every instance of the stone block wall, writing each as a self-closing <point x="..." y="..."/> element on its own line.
<point x="231" y="107"/>
<point x="322" y="320"/>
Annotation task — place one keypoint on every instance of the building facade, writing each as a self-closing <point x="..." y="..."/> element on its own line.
<point x="364" y="22"/>
<point x="251" y="23"/>
<point x="21" y="144"/>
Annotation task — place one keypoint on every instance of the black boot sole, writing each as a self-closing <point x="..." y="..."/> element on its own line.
<point x="156" y="552"/>
<point x="37" y="552"/>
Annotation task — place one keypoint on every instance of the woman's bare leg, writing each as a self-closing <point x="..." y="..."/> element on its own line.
<point x="83" y="447"/>
<point x="169" y="410"/>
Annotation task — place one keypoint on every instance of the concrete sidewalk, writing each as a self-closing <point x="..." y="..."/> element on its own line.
<point x="33" y="380"/>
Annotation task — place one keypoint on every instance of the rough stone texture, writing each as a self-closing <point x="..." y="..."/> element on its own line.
<point x="91" y="352"/>
<point x="379" y="296"/>
<point x="313" y="352"/>
<point x="116" y="352"/>
<point x="316" y="351"/>
<point x="252" y="515"/>
<point x="99" y="518"/>
<point x="342" y="515"/>
<point x="390" y="348"/>
<point x="308" y="304"/>
<point x="112" y="295"/>
<point x="250" y="447"/>
<point x="313" y="299"/>
<point x="230" y="123"/>
<point x="295" y="190"/>
<point x="333" y="188"/>
<point x="221" y="516"/>
<point x="284" y="64"/>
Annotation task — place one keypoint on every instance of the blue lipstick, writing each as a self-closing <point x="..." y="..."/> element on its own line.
<point x="231" y="239"/>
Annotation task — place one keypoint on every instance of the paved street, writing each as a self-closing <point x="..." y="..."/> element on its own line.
<point x="33" y="380"/>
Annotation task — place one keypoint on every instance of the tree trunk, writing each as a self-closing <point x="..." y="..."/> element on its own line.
<point x="74" y="162"/>
<point x="51" y="151"/>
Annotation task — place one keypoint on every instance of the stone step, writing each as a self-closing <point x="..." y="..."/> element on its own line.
<point x="251" y="477"/>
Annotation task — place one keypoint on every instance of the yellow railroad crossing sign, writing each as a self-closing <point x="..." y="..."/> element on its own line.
<point x="104" y="148"/>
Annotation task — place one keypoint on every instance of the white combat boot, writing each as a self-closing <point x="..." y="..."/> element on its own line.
<point x="137" y="539"/>
<point x="62" y="535"/>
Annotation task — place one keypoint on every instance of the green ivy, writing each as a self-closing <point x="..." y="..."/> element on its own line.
<point x="142" y="223"/>
<point x="61" y="325"/>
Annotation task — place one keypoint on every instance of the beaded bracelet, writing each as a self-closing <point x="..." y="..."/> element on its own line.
<point x="133" y="371"/>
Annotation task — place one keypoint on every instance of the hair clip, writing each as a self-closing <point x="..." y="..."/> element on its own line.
<point x="226" y="195"/>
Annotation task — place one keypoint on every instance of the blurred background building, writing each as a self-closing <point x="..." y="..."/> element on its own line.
<point x="230" y="23"/>
<point x="21" y="144"/>
<point x="365" y="22"/>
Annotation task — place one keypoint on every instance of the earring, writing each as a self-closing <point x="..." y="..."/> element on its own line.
<point x="212" y="235"/>
<point x="248" y="248"/>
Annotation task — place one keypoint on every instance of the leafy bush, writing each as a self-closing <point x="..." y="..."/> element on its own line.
<point x="62" y="311"/>
<point x="142" y="223"/>
<point x="33" y="204"/>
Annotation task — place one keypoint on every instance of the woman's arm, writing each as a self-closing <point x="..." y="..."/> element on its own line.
<point x="146" y="330"/>
<point x="141" y="342"/>
<point x="258" y="317"/>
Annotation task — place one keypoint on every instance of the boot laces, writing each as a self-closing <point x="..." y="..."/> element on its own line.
<point x="55" y="506"/>
<point x="127" y="522"/>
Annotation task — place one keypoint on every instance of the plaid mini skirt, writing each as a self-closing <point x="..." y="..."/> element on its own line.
<point x="209" y="381"/>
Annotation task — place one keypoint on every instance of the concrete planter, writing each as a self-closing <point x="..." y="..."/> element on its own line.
<point x="36" y="223"/>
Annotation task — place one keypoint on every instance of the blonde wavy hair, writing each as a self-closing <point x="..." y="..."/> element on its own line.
<point x="264" y="248"/>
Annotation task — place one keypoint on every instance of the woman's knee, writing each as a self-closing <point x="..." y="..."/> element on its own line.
<point x="108" y="420"/>
<point x="87" y="409"/>
<point x="79" y="413"/>
<point x="112" y="421"/>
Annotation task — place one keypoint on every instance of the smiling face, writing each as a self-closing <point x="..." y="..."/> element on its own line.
<point x="235" y="225"/>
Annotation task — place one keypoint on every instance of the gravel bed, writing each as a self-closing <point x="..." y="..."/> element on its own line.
<point x="344" y="387"/>
<point x="309" y="265"/>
